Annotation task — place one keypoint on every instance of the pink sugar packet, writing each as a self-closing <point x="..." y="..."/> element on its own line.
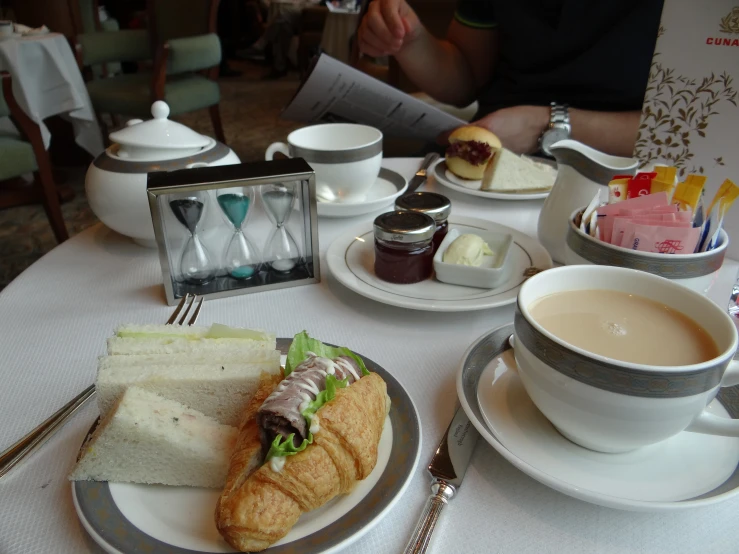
<point x="671" y="209"/>
<point x="629" y="229"/>
<point x="621" y="224"/>
<point x="607" y="213"/>
<point x="665" y="240"/>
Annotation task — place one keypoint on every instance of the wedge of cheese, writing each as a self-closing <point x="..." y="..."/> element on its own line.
<point x="509" y="172"/>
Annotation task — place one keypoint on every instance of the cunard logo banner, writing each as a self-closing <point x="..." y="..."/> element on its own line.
<point x="730" y="23"/>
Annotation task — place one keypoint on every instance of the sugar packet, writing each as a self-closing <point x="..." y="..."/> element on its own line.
<point x="607" y="213"/>
<point x="665" y="240"/>
<point x="720" y="205"/>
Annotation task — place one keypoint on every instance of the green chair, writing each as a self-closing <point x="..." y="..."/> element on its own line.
<point x="20" y="155"/>
<point x="187" y="54"/>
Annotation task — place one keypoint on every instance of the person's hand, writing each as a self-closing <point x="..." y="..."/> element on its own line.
<point x="518" y="127"/>
<point x="387" y="27"/>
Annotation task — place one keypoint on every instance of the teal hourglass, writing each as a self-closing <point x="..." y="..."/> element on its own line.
<point x="196" y="266"/>
<point x="281" y="249"/>
<point x="242" y="259"/>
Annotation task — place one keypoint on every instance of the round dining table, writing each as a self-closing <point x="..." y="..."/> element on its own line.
<point x="56" y="316"/>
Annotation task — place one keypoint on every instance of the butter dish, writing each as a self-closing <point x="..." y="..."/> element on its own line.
<point x="494" y="271"/>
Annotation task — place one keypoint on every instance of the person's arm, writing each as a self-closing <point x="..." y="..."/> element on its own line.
<point x="520" y="127"/>
<point x="451" y="70"/>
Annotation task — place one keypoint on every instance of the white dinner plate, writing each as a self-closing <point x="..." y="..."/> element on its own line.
<point x="388" y="186"/>
<point x="126" y="518"/>
<point x="688" y="470"/>
<point x="449" y="180"/>
<point x="351" y="258"/>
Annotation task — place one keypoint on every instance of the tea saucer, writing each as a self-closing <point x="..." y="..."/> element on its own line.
<point x="388" y="186"/>
<point x="449" y="180"/>
<point x="686" y="471"/>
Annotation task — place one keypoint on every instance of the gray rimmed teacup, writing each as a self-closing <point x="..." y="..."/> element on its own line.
<point x="613" y="406"/>
<point x="695" y="271"/>
<point x="346" y="158"/>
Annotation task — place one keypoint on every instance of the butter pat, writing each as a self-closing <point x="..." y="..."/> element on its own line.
<point x="467" y="249"/>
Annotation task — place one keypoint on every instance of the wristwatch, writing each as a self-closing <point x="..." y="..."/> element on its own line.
<point x="559" y="127"/>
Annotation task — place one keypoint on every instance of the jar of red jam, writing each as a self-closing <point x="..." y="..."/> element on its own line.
<point x="404" y="250"/>
<point x="435" y="205"/>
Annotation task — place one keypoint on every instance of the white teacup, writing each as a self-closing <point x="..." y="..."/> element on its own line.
<point x="345" y="156"/>
<point x="613" y="406"/>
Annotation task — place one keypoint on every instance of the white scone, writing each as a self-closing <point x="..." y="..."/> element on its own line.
<point x="150" y="439"/>
<point x="219" y="388"/>
<point x="509" y="172"/>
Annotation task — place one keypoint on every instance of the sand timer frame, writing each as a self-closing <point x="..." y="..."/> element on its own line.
<point x="214" y="229"/>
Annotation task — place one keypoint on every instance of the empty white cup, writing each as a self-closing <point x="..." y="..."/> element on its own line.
<point x="345" y="156"/>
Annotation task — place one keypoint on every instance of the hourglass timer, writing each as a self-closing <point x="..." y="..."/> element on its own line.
<point x="281" y="249"/>
<point x="242" y="259"/>
<point x="196" y="265"/>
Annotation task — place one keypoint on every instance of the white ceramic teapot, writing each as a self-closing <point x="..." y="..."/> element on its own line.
<point x="116" y="179"/>
<point x="581" y="172"/>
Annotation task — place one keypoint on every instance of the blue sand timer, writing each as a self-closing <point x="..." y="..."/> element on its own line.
<point x="242" y="258"/>
<point x="196" y="266"/>
<point x="281" y="248"/>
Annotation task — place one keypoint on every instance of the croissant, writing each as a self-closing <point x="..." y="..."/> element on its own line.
<point x="259" y="506"/>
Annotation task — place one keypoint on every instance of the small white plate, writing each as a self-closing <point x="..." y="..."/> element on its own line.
<point x="351" y="258"/>
<point x="686" y="471"/>
<point x="449" y="180"/>
<point x="387" y="188"/>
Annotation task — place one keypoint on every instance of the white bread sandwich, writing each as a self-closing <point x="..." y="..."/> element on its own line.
<point x="219" y="386"/>
<point x="470" y="150"/>
<point x="150" y="439"/>
<point x="174" y="339"/>
<point x="509" y="172"/>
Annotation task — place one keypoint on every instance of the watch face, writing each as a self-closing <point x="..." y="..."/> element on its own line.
<point x="551" y="136"/>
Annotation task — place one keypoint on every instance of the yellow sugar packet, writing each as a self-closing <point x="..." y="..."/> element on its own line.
<point x="720" y="205"/>
<point x="688" y="193"/>
<point x="617" y="189"/>
<point x="664" y="181"/>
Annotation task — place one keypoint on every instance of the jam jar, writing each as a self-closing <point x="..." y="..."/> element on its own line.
<point x="404" y="251"/>
<point x="435" y="205"/>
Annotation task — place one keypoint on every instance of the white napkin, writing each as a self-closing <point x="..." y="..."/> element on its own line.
<point x="29" y="31"/>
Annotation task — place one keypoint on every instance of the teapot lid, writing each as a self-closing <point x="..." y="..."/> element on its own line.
<point x="159" y="136"/>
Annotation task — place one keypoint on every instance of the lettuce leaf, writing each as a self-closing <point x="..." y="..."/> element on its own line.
<point x="302" y="343"/>
<point x="281" y="447"/>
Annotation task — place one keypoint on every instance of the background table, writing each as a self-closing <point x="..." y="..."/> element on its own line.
<point x="47" y="81"/>
<point x="57" y="315"/>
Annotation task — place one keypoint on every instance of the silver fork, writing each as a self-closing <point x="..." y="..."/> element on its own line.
<point x="17" y="452"/>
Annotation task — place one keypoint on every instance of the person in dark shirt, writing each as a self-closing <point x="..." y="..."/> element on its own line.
<point x="517" y="58"/>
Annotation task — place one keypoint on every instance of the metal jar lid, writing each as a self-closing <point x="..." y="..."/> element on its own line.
<point x="405" y="227"/>
<point x="436" y="205"/>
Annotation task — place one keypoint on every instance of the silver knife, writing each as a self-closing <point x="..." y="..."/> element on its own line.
<point x="422" y="173"/>
<point x="447" y="468"/>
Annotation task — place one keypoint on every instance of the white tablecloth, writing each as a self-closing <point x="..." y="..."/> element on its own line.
<point x="55" y="317"/>
<point x="47" y="81"/>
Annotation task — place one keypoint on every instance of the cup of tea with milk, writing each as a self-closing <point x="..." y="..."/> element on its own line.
<point x="618" y="359"/>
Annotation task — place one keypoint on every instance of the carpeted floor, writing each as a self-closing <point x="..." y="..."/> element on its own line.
<point x="250" y="111"/>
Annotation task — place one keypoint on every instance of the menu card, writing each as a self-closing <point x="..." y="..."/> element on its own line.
<point x="690" y="115"/>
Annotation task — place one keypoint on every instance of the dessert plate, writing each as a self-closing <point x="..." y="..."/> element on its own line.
<point x="688" y="470"/>
<point x="449" y="180"/>
<point x="351" y="257"/>
<point x="125" y="518"/>
<point x="388" y="186"/>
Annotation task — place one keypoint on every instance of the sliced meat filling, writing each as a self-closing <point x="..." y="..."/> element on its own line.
<point x="281" y="412"/>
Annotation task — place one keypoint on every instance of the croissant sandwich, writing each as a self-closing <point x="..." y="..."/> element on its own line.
<point x="303" y="440"/>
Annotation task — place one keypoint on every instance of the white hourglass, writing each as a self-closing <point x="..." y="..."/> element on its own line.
<point x="196" y="263"/>
<point x="281" y="249"/>
<point x="242" y="259"/>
